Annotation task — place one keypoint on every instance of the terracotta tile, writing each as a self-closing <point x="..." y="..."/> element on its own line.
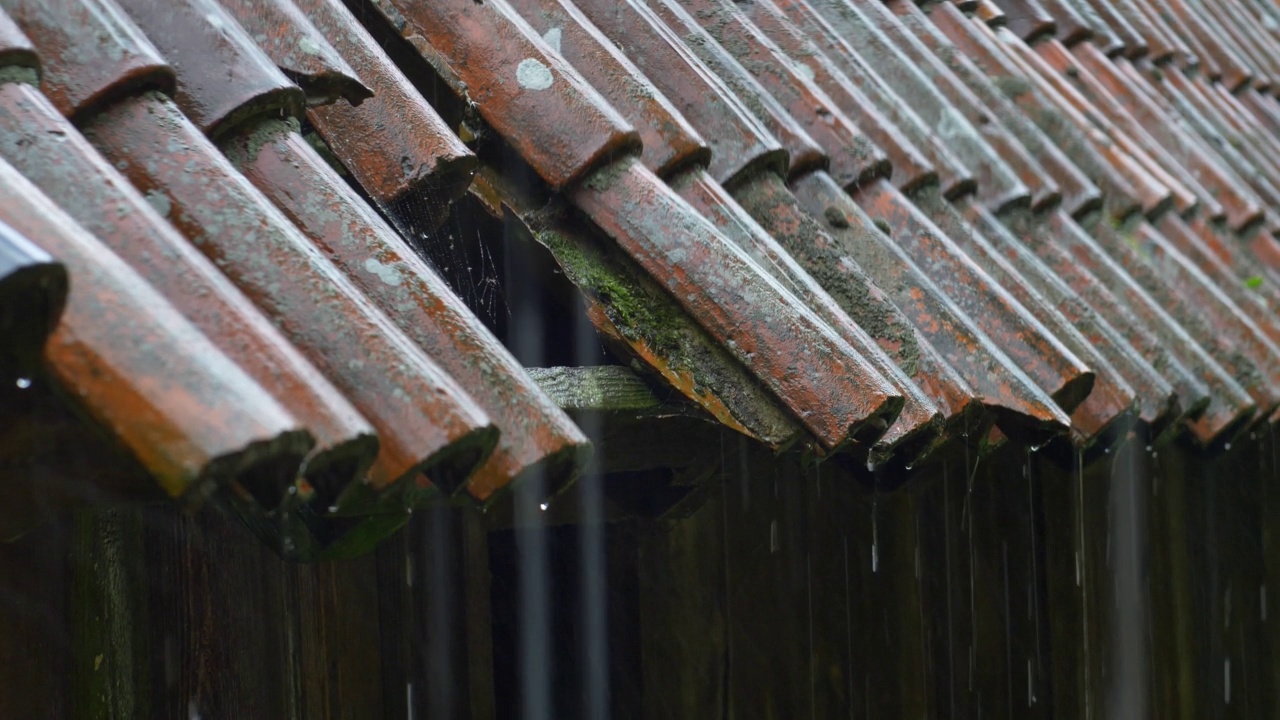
<point x="520" y="86"/>
<point x="1242" y="208"/>
<point x="1023" y="409"/>
<point x="637" y="318"/>
<point x="967" y="37"/>
<point x="587" y="50"/>
<point x="1250" y="48"/>
<point x="1235" y="72"/>
<point x="539" y="437"/>
<point x="806" y="153"/>
<point x="790" y="352"/>
<point x="16" y="50"/>
<point x="845" y="230"/>
<point x="1077" y="193"/>
<point x="1202" y="245"/>
<point x="1178" y="286"/>
<point x="104" y="202"/>
<point x="1077" y="83"/>
<point x="1159" y="42"/>
<point x="1111" y="399"/>
<point x="1053" y="368"/>
<point x="1111" y="32"/>
<point x="394" y="144"/>
<point x="911" y="166"/>
<point x="956" y="179"/>
<point x="1229" y="404"/>
<point x="998" y="184"/>
<point x="121" y="352"/>
<point x="109" y="51"/>
<point x="873" y="216"/>
<point x="1213" y="123"/>
<point x="1127" y="188"/>
<point x="300" y="50"/>
<point x="990" y="13"/>
<point x="194" y="36"/>
<point x="1030" y="21"/>
<point x="993" y="191"/>
<point x="670" y="141"/>
<point x="1127" y="154"/>
<point x="1087" y="305"/>
<point x="853" y="158"/>
<point x="536" y="436"/>
<point x="1189" y="55"/>
<point x="768" y="204"/>
<point x="920" y="421"/>
<point x="418" y="411"/>
<point x="715" y="284"/>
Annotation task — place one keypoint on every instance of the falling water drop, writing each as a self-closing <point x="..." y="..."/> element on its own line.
<point x="1226" y="681"/>
<point x="875" y="539"/>
<point x="23" y="383"/>
<point x="773" y="536"/>
<point x="544" y="506"/>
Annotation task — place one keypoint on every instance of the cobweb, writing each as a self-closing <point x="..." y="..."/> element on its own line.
<point x="457" y="251"/>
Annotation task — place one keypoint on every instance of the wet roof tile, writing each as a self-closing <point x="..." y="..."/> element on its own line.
<point x="535" y="435"/>
<point x="394" y="143"/>
<point x="866" y="217"/>
<point x="767" y="210"/>
<point x="300" y="50"/>
<point x="554" y="118"/>
<point x="427" y="423"/>
<point x="225" y="78"/>
<point x="704" y="272"/>
<point x="583" y="46"/>
<point x="134" y="364"/>
<point x="90" y="66"/>
<point x="670" y="142"/>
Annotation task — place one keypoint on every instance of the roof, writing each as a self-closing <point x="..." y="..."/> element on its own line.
<point x="853" y="228"/>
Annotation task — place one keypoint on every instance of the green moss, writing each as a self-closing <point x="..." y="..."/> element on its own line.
<point x="630" y="308"/>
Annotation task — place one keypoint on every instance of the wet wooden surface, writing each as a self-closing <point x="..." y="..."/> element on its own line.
<point x="1018" y="585"/>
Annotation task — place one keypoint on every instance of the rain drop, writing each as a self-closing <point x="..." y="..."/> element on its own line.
<point x="544" y="506"/>
<point x="1226" y="681"/>
<point x="23" y="383"/>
